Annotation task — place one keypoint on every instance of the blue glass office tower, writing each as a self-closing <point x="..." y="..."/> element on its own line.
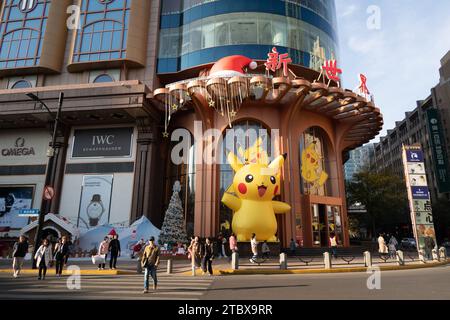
<point x="197" y="32"/>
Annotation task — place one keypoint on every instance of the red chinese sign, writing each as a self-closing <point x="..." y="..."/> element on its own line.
<point x="331" y="70"/>
<point x="277" y="60"/>
<point x="363" y="85"/>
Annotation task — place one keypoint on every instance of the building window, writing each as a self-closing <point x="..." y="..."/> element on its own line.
<point x="104" y="30"/>
<point x="22" y="84"/>
<point x="315" y="163"/>
<point x="103" y="78"/>
<point x="22" y="28"/>
<point x="185" y="174"/>
<point x="245" y="135"/>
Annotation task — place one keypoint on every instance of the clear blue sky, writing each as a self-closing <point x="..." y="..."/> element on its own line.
<point x="402" y="58"/>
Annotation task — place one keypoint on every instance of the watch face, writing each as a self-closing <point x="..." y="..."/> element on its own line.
<point x="95" y="210"/>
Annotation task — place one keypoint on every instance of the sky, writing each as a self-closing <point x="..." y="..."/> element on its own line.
<point x="399" y="53"/>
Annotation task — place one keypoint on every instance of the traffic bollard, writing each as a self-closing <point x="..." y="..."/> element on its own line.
<point x="368" y="259"/>
<point x="169" y="266"/>
<point x="283" y="261"/>
<point x="443" y="253"/>
<point x="400" y="258"/>
<point x="435" y="254"/>
<point x="235" y="261"/>
<point x="327" y="260"/>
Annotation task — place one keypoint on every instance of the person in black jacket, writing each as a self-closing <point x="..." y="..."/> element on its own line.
<point x="114" y="248"/>
<point x="207" y="256"/>
<point x="61" y="254"/>
<point x="20" y="250"/>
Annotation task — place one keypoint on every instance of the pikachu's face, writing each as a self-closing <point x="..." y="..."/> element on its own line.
<point x="256" y="182"/>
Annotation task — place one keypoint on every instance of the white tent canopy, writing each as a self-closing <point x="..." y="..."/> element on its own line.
<point x="128" y="236"/>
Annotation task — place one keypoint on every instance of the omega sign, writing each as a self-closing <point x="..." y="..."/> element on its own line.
<point x="108" y="142"/>
<point x="19" y="149"/>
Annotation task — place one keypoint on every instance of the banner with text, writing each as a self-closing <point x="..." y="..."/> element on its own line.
<point x="419" y="196"/>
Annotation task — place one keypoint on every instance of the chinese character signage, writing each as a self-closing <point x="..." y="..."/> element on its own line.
<point x="276" y="61"/>
<point x="438" y="151"/>
<point x="419" y="196"/>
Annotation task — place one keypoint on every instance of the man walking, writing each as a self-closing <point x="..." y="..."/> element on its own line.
<point x="429" y="246"/>
<point x="150" y="262"/>
<point x="19" y="252"/>
<point x="114" y="248"/>
<point x="208" y="256"/>
<point x="61" y="254"/>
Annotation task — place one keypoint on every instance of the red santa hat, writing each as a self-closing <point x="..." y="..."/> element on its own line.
<point x="232" y="66"/>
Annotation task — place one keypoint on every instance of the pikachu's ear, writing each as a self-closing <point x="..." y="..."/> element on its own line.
<point x="259" y="142"/>
<point x="241" y="152"/>
<point x="234" y="162"/>
<point x="278" y="162"/>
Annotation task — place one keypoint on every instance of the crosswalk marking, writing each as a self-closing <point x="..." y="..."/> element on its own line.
<point x="104" y="287"/>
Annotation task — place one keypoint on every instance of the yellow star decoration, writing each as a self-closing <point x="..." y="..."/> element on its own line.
<point x="174" y="107"/>
<point x="212" y="103"/>
<point x="165" y="134"/>
<point x="233" y="114"/>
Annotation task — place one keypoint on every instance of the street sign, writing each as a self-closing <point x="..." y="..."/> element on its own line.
<point x="49" y="193"/>
<point x="29" y="213"/>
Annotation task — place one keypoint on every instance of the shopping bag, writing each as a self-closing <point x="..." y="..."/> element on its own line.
<point x="98" y="259"/>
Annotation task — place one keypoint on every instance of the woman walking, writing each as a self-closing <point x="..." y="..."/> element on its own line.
<point x="195" y="251"/>
<point x="254" y="245"/>
<point x="393" y="247"/>
<point x="43" y="258"/>
<point x="207" y="257"/>
<point x="233" y="243"/>
<point x="103" y="250"/>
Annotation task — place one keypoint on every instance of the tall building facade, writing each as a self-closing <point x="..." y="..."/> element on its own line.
<point x="424" y="126"/>
<point x="197" y="32"/>
<point x="359" y="159"/>
<point x="117" y="63"/>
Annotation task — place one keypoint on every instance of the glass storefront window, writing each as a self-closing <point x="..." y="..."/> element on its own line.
<point x="314" y="163"/>
<point x="104" y="30"/>
<point x="240" y="29"/>
<point x="246" y="134"/>
<point x="22" y="33"/>
<point x="185" y="174"/>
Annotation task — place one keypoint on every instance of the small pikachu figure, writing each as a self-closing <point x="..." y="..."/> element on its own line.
<point x="250" y="196"/>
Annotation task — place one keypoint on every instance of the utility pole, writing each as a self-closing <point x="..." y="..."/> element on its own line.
<point x="49" y="174"/>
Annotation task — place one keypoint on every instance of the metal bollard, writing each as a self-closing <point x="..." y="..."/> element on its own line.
<point x="193" y="271"/>
<point x="443" y="253"/>
<point x="235" y="261"/>
<point x="327" y="260"/>
<point x="436" y="256"/>
<point x="283" y="261"/>
<point x="400" y="258"/>
<point x="368" y="259"/>
<point x="422" y="256"/>
<point x="169" y="266"/>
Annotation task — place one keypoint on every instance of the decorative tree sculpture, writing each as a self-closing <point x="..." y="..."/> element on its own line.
<point x="173" y="229"/>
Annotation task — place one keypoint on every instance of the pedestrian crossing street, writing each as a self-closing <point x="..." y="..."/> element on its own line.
<point x="123" y="287"/>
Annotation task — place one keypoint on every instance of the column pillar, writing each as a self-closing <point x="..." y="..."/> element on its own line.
<point x="144" y="181"/>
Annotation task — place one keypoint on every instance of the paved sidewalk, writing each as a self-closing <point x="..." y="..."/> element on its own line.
<point x="222" y="266"/>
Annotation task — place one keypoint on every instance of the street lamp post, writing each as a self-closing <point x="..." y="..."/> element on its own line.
<point x="45" y="204"/>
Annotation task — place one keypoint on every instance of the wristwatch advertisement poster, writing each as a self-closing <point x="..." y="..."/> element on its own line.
<point x="95" y="201"/>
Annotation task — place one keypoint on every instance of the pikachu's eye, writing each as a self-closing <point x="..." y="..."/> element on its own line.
<point x="273" y="180"/>
<point x="249" y="178"/>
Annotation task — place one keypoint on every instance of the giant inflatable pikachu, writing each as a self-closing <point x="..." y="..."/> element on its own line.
<point x="250" y="196"/>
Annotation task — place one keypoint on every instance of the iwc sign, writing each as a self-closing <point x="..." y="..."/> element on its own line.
<point x="18" y="150"/>
<point x="108" y="142"/>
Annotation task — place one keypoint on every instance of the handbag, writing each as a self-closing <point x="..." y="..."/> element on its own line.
<point x="99" y="259"/>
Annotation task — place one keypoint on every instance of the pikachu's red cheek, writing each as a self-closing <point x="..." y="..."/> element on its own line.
<point x="242" y="188"/>
<point x="276" y="190"/>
